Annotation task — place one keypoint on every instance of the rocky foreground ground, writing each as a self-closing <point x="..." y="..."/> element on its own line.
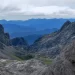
<point x="14" y="67"/>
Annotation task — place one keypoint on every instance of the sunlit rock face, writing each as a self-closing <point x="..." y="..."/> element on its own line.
<point x="4" y="37"/>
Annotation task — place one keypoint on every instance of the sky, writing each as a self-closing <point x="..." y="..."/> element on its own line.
<point x="27" y="9"/>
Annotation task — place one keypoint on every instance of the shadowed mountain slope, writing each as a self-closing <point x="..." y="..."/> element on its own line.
<point x="51" y="45"/>
<point x="10" y="48"/>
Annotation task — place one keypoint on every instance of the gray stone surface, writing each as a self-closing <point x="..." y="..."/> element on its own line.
<point x="64" y="64"/>
<point x="13" y="67"/>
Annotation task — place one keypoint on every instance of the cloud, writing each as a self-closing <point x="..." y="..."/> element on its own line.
<point x="27" y="9"/>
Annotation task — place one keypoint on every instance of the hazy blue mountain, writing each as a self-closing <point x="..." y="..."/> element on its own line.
<point x="31" y="27"/>
<point x="13" y="28"/>
<point x="32" y="36"/>
<point x="37" y="23"/>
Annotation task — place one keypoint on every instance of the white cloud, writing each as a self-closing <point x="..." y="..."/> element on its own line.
<point x="26" y="9"/>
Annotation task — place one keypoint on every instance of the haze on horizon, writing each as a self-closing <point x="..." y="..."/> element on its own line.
<point x="27" y="9"/>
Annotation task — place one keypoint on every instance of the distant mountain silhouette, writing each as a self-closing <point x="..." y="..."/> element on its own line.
<point x="32" y="24"/>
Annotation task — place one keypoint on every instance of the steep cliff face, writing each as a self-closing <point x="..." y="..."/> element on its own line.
<point x="51" y="45"/>
<point x="4" y="37"/>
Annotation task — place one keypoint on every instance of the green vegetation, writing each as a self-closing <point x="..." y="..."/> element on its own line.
<point x="17" y="58"/>
<point x="26" y="57"/>
<point x="46" y="60"/>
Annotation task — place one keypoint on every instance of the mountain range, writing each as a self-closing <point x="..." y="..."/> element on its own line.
<point x="54" y="54"/>
<point x="33" y="28"/>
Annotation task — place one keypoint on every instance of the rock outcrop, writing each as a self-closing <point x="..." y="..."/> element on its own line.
<point x="19" y="42"/>
<point x="4" y="37"/>
<point x="63" y="64"/>
<point x="30" y="67"/>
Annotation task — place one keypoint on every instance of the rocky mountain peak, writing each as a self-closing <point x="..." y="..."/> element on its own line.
<point x="18" y="41"/>
<point x="65" y="25"/>
<point x="67" y="22"/>
<point x="4" y="37"/>
<point x="1" y="29"/>
<point x="52" y="44"/>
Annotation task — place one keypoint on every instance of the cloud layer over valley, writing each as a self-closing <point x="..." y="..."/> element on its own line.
<point x="27" y="9"/>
